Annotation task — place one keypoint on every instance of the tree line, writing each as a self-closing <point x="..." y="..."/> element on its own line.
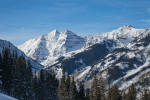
<point x="18" y="81"/>
<point x="67" y="90"/>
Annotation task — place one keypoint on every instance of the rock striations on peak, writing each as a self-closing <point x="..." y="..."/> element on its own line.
<point x="47" y="48"/>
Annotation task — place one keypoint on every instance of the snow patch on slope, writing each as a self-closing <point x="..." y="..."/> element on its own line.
<point x="5" y="97"/>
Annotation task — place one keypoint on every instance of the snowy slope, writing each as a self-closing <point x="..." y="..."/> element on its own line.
<point x="122" y="55"/>
<point x="125" y="34"/>
<point x="46" y="49"/>
<point x="89" y="56"/>
<point x="5" y="97"/>
<point x="36" y="66"/>
<point x="123" y="66"/>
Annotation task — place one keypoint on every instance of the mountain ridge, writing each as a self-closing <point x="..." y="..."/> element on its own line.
<point x="47" y="48"/>
<point x="121" y="56"/>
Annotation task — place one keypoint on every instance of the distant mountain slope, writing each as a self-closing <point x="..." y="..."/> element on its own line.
<point x="123" y="66"/>
<point x="90" y="56"/>
<point x="122" y="56"/>
<point x="36" y="66"/>
<point x="125" y="34"/>
<point x="46" y="49"/>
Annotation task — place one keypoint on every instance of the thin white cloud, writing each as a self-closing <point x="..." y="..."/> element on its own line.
<point x="127" y="3"/>
<point x="146" y="21"/>
<point x="116" y="3"/>
<point x="148" y="10"/>
<point x="69" y="10"/>
<point x="68" y="7"/>
<point x="116" y="17"/>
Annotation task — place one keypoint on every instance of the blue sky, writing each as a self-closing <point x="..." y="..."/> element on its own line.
<point x="21" y="20"/>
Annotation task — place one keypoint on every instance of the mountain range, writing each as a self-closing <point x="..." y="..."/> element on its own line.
<point x="121" y="56"/>
<point x="47" y="48"/>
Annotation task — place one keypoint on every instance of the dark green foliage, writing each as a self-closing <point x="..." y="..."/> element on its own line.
<point x="35" y="82"/>
<point x="18" y="80"/>
<point x="42" y="84"/>
<point x="102" y="87"/>
<point x="1" y="70"/>
<point x="7" y="71"/>
<point x="81" y="94"/>
<point x="95" y="90"/>
<point x="68" y="86"/>
<point x="109" y="93"/>
<point x="62" y="89"/>
<point x="115" y="93"/>
<point x="131" y="93"/>
<point x="73" y="90"/>
<point x="87" y="94"/>
<point x="98" y="89"/>
<point x="145" y="96"/>
<point x="51" y="84"/>
<point x="124" y="96"/>
<point x="31" y="90"/>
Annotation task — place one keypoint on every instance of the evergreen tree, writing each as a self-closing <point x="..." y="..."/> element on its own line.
<point x="13" y="68"/>
<point x="1" y="70"/>
<point x="49" y="86"/>
<point x="115" y="93"/>
<point x="23" y="78"/>
<point x="31" y="91"/>
<point x="62" y="90"/>
<point x="35" y="85"/>
<point x="109" y="93"/>
<point x="11" y="73"/>
<point x="87" y="94"/>
<point x="132" y="93"/>
<point x="81" y="94"/>
<point x="145" y="96"/>
<point x="16" y="81"/>
<point x="6" y="76"/>
<point x="124" y="97"/>
<point x="73" y="90"/>
<point x="42" y="92"/>
<point x="55" y="87"/>
<point x="68" y="86"/>
<point x="102" y="87"/>
<point x="54" y="84"/>
<point x="91" y="93"/>
<point x="29" y="77"/>
<point x="95" y="92"/>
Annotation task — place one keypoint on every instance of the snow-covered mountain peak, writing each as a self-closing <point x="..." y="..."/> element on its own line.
<point x="47" y="48"/>
<point x="123" y="35"/>
<point x="54" y="34"/>
<point x="127" y="26"/>
<point x="68" y="33"/>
